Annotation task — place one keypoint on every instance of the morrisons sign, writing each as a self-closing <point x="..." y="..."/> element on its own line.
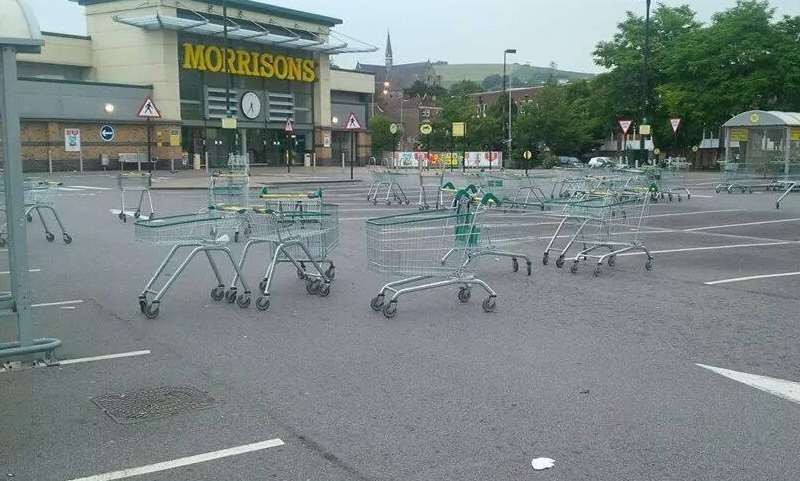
<point x="210" y="58"/>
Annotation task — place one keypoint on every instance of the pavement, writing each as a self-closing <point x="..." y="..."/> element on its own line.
<point x="598" y="373"/>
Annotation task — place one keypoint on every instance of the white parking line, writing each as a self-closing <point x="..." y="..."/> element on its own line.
<point x="778" y="387"/>
<point x="88" y="187"/>
<point x="79" y="360"/>
<point x="59" y="303"/>
<point x="712" y="248"/>
<point x="751" y="278"/>
<point x="5" y="273"/>
<point x="674" y="214"/>
<point x="177" y="463"/>
<point x="745" y="224"/>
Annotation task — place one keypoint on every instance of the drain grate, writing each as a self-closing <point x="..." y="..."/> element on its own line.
<point x="138" y="406"/>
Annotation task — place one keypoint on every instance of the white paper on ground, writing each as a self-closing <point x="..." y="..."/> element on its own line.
<point x="542" y="463"/>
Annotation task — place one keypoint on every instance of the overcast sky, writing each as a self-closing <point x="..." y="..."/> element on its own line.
<point x="460" y="31"/>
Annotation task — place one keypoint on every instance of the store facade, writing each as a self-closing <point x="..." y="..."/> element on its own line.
<point x="252" y="79"/>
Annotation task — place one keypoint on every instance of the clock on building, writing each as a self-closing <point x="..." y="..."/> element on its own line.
<point x="251" y="105"/>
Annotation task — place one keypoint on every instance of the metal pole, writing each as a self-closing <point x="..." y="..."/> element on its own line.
<point x="149" y="148"/>
<point x="14" y="197"/>
<point x="505" y="92"/>
<point x="502" y="164"/>
<point x="643" y="151"/>
<point x="353" y="145"/>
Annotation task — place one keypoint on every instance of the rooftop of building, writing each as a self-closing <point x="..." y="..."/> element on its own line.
<point x="257" y="7"/>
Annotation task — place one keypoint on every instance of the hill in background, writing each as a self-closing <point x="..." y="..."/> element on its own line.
<point x="521" y="75"/>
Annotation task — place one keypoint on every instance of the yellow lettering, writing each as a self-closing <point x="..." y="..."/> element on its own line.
<point x="266" y="70"/>
<point x="295" y="69"/>
<point x="243" y="59"/>
<point x="281" y="67"/>
<point x="309" y="72"/>
<point x="230" y="63"/>
<point x="213" y="59"/>
<point x="254" y="56"/>
<point x="194" y="57"/>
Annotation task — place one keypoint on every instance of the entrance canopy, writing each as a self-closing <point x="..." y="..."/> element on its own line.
<point x="249" y="31"/>
<point x="765" y="142"/>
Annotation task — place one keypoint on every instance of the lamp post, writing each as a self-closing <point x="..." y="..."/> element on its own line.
<point x="507" y="91"/>
<point x="20" y="34"/>
<point x="642" y="146"/>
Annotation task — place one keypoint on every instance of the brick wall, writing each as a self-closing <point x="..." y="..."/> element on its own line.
<point x="45" y="140"/>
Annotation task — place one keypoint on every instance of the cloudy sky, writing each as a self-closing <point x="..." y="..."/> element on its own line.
<point x="461" y="31"/>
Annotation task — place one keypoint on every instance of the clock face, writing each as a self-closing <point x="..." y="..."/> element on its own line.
<point x="251" y="105"/>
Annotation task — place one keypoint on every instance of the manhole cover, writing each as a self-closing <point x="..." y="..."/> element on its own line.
<point x="138" y="406"/>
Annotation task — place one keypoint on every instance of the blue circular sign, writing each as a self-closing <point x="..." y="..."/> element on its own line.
<point x="107" y="133"/>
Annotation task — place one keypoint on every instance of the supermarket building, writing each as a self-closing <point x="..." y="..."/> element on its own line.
<point x="272" y="64"/>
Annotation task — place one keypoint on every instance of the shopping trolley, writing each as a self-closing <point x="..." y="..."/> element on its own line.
<point x="503" y="225"/>
<point x="675" y="177"/>
<point x="299" y="236"/>
<point x="743" y="177"/>
<point x="40" y="196"/>
<point x="512" y="189"/>
<point x="415" y="245"/>
<point x="611" y="221"/>
<point x="787" y="180"/>
<point x="205" y="232"/>
<point x="390" y="181"/>
<point x="430" y="190"/>
<point x="229" y="189"/>
<point x="134" y="182"/>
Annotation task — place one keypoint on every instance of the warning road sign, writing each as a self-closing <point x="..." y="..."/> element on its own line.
<point x="353" y="123"/>
<point x="289" y="127"/>
<point x="149" y="110"/>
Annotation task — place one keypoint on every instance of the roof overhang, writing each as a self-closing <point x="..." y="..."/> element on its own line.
<point x="761" y="118"/>
<point x="255" y="34"/>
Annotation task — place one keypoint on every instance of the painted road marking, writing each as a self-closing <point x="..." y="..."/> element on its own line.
<point x="103" y="358"/>
<point x="711" y="248"/>
<point x="751" y="278"/>
<point x="59" y="303"/>
<point x="177" y="463"/>
<point x="778" y="387"/>
<point x="671" y="214"/>
<point x="87" y="187"/>
<point x="5" y="273"/>
<point x="745" y="224"/>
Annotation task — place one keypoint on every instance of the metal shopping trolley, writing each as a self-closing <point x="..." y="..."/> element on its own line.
<point x="512" y="189"/>
<point x="134" y="182"/>
<point x="612" y="222"/>
<point x="392" y="183"/>
<point x="229" y="189"/>
<point x="206" y="232"/>
<point x="40" y="196"/>
<point x="413" y="247"/>
<point x="430" y="189"/>
<point x="302" y="233"/>
<point x="676" y="180"/>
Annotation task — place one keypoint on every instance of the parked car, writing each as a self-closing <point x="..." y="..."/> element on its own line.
<point x="597" y="162"/>
<point x="568" y="161"/>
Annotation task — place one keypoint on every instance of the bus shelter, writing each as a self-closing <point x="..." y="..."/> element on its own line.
<point x="762" y="150"/>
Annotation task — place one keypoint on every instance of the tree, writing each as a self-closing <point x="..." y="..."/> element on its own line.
<point x="492" y="82"/>
<point x="464" y="87"/>
<point x="382" y="139"/>
<point x="420" y="89"/>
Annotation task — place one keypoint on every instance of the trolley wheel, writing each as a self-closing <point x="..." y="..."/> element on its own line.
<point x="67" y="238"/>
<point x="717" y="189"/>
<point x="152" y="310"/>
<point x="218" y="293"/>
<point x="596" y="272"/>
<point x="262" y="286"/>
<point x="530" y="268"/>
<point x="142" y="303"/>
<point x="152" y="215"/>
<point x="688" y="196"/>
<point x="303" y="267"/>
<point x="377" y="303"/>
<point x="121" y="216"/>
<point x="262" y="303"/>
<point x="236" y="236"/>
<point x="331" y="272"/>
<point x="546" y="258"/>
<point x="777" y="206"/>
<point x="464" y="294"/>
<point x="560" y="262"/>
<point x="407" y="202"/>
<point x="670" y="197"/>
<point x="137" y="214"/>
<point x="2" y="241"/>
<point x="649" y="264"/>
<point x="514" y="264"/>
<point x="680" y="198"/>
<point x="374" y="201"/>
<point x="312" y="286"/>
<point x="230" y="296"/>
<point x="29" y="218"/>
<point x="390" y="310"/>
<point x="49" y="236"/>
<point x="612" y="260"/>
<point x="489" y="304"/>
<point x="243" y="300"/>
<point x="388" y="202"/>
<point x="324" y="289"/>
<point x="574" y="268"/>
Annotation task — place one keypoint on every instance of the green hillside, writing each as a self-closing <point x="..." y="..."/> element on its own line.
<point x="521" y="74"/>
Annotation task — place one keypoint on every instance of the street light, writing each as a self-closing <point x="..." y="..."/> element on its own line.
<point x="506" y="90"/>
<point x="642" y="147"/>
<point x="109" y="108"/>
